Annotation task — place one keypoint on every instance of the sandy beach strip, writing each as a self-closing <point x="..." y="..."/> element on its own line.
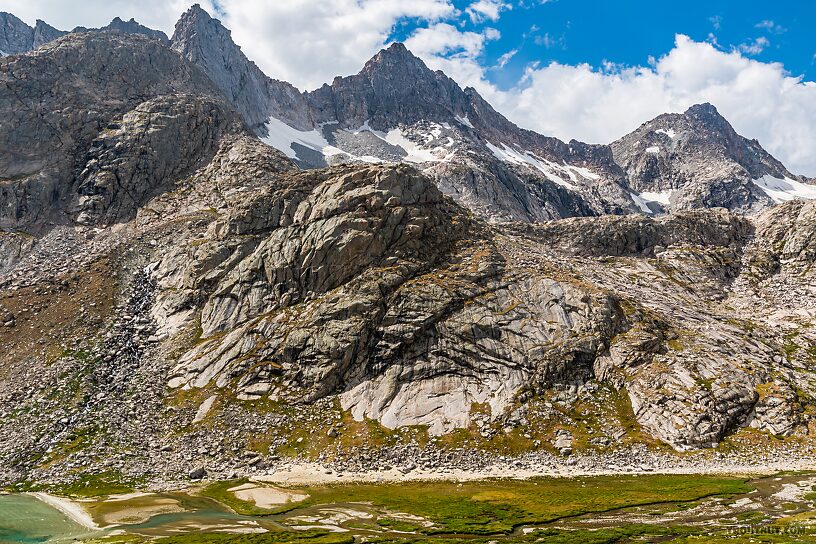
<point x="72" y="510"/>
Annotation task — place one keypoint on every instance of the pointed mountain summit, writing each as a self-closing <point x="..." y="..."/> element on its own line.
<point x="696" y="159"/>
<point x="15" y="35"/>
<point x="204" y="41"/>
<point x="393" y="87"/>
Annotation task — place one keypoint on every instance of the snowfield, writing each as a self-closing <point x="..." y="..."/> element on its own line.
<point x="557" y="173"/>
<point x="662" y="197"/>
<point x="785" y="189"/>
<point x="282" y="136"/>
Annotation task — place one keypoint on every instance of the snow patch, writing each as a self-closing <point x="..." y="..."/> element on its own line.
<point x="465" y="121"/>
<point x="785" y="189"/>
<point x="281" y="136"/>
<point x="416" y="153"/>
<point x="642" y="204"/>
<point x="584" y="172"/>
<point x="668" y="132"/>
<point x="653" y="149"/>
<point x="662" y="197"/>
<point x="549" y="169"/>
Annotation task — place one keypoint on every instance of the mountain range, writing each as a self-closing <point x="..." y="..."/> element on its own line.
<point x="199" y="261"/>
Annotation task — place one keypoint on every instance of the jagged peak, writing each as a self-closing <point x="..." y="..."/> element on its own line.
<point x="198" y="17"/>
<point x="397" y="49"/>
<point x="196" y="14"/>
<point x="395" y="57"/>
<point x="705" y="108"/>
<point x="5" y="15"/>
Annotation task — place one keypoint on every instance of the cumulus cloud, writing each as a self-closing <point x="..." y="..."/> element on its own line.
<point x="483" y="10"/>
<point x="754" y="47"/>
<point x="307" y="43"/>
<point x="158" y="14"/>
<point x="760" y="99"/>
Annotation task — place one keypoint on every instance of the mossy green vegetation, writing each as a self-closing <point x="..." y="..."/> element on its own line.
<point x="97" y="485"/>
<point x="274" y="537"/>
<point x="499" y="506"/>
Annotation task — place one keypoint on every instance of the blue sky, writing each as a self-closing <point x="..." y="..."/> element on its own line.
<point x="592" y="70"/>
<point x="630" y="32"/>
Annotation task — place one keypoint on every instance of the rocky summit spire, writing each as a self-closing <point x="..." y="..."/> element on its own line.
<point x="15" y="36"/>
<point x="393" y="87"/>
<point x="207" y="43"/>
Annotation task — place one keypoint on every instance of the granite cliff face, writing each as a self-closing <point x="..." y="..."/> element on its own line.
<point x="63" y="145"/>
<point x="174" y="292"/>
<point x="17" y="37"/>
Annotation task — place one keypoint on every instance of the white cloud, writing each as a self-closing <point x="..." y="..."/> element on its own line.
<point x="505" y="58"/>
<point x="482" y="10"/>
<point x="760" y="99"/>
<point x="771" y="26"/>
<point x="308" y="42"/>
<point x="158" y="14"/>
<point x="445" y="40"/>
<point x="754" y="47"/>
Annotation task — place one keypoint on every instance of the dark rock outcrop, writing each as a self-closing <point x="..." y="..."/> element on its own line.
<point x="62" y="104"/>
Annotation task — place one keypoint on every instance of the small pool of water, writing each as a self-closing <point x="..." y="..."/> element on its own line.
<point x="25" y="519"/>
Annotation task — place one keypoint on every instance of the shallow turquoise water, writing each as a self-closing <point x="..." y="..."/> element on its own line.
<point x="26" y="520"/>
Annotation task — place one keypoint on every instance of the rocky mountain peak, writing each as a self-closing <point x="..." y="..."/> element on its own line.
<point x="15" y="36"/>
<point x="696" y="159"/>
<point x="394" y="87"/>
<point x="194" y="17"/>
<point x="706" y="109"/>
<point x="395" y="58"/>
<point x="207" y="43"/>
<point x="44" y="33"/>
